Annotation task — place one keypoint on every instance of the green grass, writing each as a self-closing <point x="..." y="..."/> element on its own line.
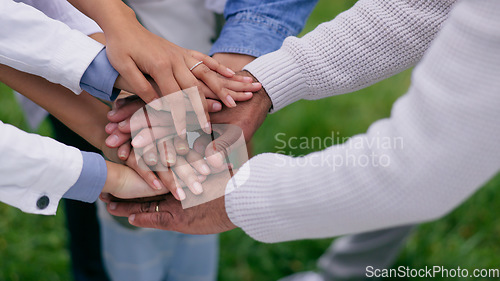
<point x="33" y="247"/>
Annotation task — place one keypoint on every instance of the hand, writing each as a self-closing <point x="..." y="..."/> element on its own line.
<point x="234" y="61"/>
<point x="248" y="116"/>
<point x="208" y="218"/>
<point x="165" y="159"/>
<point x="173" y="69"/>
<point x="123" y="182"/>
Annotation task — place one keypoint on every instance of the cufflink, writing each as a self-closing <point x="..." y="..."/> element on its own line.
<point x="43" y="202"/>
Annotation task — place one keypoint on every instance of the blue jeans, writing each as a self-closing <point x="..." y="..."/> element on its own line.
<point x="154" y="255"/>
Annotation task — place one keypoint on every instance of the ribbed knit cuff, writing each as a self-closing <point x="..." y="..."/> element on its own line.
<point x="281" y="77"/>
<point x="248" y="205"/>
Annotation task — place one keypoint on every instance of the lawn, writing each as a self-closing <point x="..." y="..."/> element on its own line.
<point x="34" y="247"/>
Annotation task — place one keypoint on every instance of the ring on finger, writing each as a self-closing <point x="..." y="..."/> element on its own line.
<point x="157" y="208"/>
<point x="194" y="66"/>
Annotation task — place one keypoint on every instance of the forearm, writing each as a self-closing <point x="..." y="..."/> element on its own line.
<point x="439" y="146"/>
<point x="373" y="40"/>
<point x="100" y="12"/>
<point x="83" y="114"/>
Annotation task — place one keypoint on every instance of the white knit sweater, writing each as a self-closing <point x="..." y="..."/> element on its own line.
<point x="449" y="121"/>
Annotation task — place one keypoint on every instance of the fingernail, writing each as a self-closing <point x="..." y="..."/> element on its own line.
<point x="104" y="196"/>
<point x="131" y="218"/>
<point x="216" y="106"/>
<point x="248" y="93"/>
<point x="110" y="127"/>
<point x="181" y="193"/>
<point x="122" y="155"/>
<point x="248" y="79"/>
<point x="182" y="149"/>
<point x="112" y="140"/>
<point x="205" y="169"/>
<point x="111" y="113"/>
<point x="230" y="71"/>
<point x="230" y="100"/>
<point x="112" y="206"/>
<point x="137" y="141"/>
<point x="256" y="84"/>
<point x="198" y="189"/>
<point x="157" y="184"/>
<point x="170" y="159"/>
<point x="156" y="104"/>
<point x="208" y="128"/>
<point x="151" y="158"/>
<point x="124" y="123"/>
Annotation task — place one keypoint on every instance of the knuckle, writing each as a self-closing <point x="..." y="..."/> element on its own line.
<point x="205" y="70"/>
<point x="145" y="207"/>
<point x="222" y="147"/>
<point x="143" y="88"/>
<point x="162" y="64"/>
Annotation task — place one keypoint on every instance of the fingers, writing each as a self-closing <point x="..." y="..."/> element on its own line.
<point x="125" y="110"/>
<point x="144" y="171"/>
<point x="213" y="64"/>
<point x="134" y="77"/>
<point x="189" y="84"/>
<point x="159" y="220"/>
<point x="170" y="180"/>
<point x="217" y="151"/>
<point x="150" y="155"/>
<point x="117" y="138"/>
<point x="181" y="146"/>
<point x="196" y="160"/>
<point x="124" y="151"/>
<point x="167" y="152"/>
<point x="213" y="106"/>
<point x="178" y="110"/>
<point x="200" y="108"/>
<point x="200" y="144"/>
<point x="187" y="174"/>
<point x="149" y="135"/>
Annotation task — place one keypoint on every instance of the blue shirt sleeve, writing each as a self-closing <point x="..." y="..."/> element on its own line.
<point x="258" y="27"/>
<point x="91" y="181"/>
<point x="100" y="77"/>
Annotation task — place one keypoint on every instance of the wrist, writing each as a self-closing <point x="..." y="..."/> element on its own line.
<point x="113" y="179"/>
<point x="122" y="15"/>
<point x="261" y="95"/>
<point x="234" y="61"/>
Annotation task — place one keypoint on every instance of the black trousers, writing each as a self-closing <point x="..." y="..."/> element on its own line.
<point x="81" y="221"/>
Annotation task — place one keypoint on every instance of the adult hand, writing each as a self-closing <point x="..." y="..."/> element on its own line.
<point x="134" y="51"/>
<point x="234" y="61"/>
<point x="123" y="182"/>
<point x="248" y="116"/>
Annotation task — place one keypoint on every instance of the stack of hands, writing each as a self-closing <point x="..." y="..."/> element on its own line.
<point x="176" y="147"/>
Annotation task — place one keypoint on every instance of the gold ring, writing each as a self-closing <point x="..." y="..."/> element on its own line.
<point x="194" y="66"/>
<point x="157" y="209"/>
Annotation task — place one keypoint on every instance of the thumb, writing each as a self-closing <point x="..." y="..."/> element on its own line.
<point x="217" y="151"/>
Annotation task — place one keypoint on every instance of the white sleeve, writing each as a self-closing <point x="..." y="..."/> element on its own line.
<point x="35" y="171"/>
<point x="32" y="42"/>
<point x="440" y="145"/>
<point x="373" y="40"/>
<point x="63" y="11"/>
